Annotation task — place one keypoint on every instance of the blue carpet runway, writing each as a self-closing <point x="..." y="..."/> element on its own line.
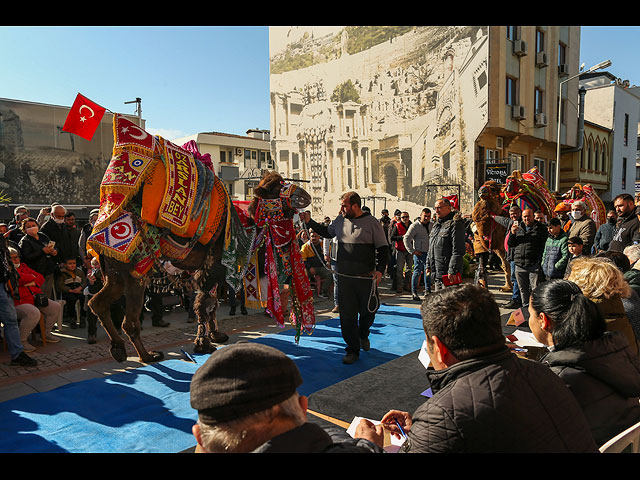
<point x="148" y="410"/>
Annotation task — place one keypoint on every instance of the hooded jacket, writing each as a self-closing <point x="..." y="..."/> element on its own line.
<point x="604" y="376"/>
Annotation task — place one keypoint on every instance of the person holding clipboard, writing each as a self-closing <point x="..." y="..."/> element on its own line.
<point x="446" y="246"/>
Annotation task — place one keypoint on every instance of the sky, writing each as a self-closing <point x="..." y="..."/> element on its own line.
<point x="191" y="79"/>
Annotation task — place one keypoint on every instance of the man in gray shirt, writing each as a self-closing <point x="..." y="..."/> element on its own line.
<point x="362" y="256"/>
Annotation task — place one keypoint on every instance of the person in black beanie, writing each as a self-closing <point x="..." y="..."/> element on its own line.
<point x="247" y="401"/>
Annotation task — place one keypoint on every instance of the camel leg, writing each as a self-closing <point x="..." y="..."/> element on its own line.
<point x="100" y="305"/>
<point x="134" y="298"/>
<point x="202" y="303"/>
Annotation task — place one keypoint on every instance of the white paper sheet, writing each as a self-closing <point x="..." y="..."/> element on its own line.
<point x="391" y="443"/>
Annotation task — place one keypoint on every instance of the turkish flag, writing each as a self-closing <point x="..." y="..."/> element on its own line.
<point x="84" y="117"/>
<point x="454" y="201"/>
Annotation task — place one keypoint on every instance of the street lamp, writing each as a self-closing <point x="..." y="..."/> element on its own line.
<point x="599" y="66"/>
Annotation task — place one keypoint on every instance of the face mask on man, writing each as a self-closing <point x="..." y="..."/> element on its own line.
<point x="611" y="220"/>
<point x="577" y="214"/>
<point x="32" y="231"/>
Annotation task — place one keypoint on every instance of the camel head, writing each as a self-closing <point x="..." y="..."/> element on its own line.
<point x="273" y="186"/>
<point x="489" y="190"/>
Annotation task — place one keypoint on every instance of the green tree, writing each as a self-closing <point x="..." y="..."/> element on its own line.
<point x="345" y="92"/>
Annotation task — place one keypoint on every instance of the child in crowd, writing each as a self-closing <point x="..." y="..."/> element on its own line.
<point x="70" y="284"/>
<point x="575" y="249"/>
<point x="556" y="250"/>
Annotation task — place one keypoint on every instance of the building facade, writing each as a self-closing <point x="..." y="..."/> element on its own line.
<point x="40" y="163"/>
<point x="612" y="104"/>
<point x="405" y="115"/>
<point x="527" y="64"/>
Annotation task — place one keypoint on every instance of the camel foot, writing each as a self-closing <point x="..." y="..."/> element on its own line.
<point x="219" y="337"/>
<point x="152" y="356"/>
<point x="203" y="346"/>
<point x="118" y="352"/>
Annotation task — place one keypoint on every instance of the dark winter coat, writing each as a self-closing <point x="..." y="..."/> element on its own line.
<point x="32" y="254"/>
<point x="498" y="403"/>
<point x="447" y="245"/>
<point x="528" y="244"/>
<point x="604" y="376"/>
<point x="626" y="231"/>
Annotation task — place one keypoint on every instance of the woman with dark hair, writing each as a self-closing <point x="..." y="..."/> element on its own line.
<point x="597" y="365"/>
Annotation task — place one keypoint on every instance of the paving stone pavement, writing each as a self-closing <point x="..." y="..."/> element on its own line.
<point x="73" y="359"/>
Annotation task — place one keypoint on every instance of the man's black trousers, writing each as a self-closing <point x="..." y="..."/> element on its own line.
<point x="354" y="302"/>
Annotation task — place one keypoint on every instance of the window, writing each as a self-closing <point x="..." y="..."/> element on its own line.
<point x="624" y="173"/>
<point x="626" y="129"/>
<point x="511" y="98"/>
<point x="539" y="41"/>
<point x="517" y="161"/>
<point x="538" y="101"/>
<point x="295" y="164"/>
<point x="552" y="176"/>
<point x="512" y="33"/>
<point x="539" y="164"/>
<point x="562" y="54"/>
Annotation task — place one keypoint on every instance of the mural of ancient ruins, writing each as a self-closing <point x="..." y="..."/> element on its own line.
<point x="391" y="112"/>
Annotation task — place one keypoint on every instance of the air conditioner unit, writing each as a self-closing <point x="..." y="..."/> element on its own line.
<point x="541" y="59"/>
<point x="518" y="112"/>
<point x="541" y="120"/>
<point x="519" y="47"/>
<point x="563" y="70"/>
<point x="499" y="143"/>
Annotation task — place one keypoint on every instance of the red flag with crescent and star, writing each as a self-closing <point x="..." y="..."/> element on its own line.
<point x="84" y="117"/>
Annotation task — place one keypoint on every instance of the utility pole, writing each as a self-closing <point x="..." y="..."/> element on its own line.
<point x="138" y="101"/>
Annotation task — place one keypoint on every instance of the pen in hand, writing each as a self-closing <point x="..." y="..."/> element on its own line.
<point x="400" y="427"/>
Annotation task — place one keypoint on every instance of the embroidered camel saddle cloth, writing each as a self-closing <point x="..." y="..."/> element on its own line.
<point x="156" y="198"/>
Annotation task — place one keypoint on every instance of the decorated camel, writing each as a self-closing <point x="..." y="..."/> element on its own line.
<point x="163" y="204"/>
<point x="489" y="235"/>
<point x="525" y="190"/>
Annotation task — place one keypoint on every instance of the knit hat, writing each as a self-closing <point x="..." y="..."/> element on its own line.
<point x="562" y="207"/>
<point x="242" y="379"/>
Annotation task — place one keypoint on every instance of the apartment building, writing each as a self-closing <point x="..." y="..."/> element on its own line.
<point x="615" y="106"/>
<point x="526" y="66"/>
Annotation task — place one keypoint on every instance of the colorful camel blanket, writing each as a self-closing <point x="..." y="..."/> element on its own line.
<point x="179" y="193"/>
<point x="282" y="254"/>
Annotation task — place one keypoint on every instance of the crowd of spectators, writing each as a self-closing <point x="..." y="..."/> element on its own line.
<point x="577" y="285"/>
<point x="54" y="278"/>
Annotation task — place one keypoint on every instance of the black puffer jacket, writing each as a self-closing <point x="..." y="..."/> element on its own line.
<point x="498" y="403"/>
<point x="528" y="244"/>
<point x="604" y="375"/>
